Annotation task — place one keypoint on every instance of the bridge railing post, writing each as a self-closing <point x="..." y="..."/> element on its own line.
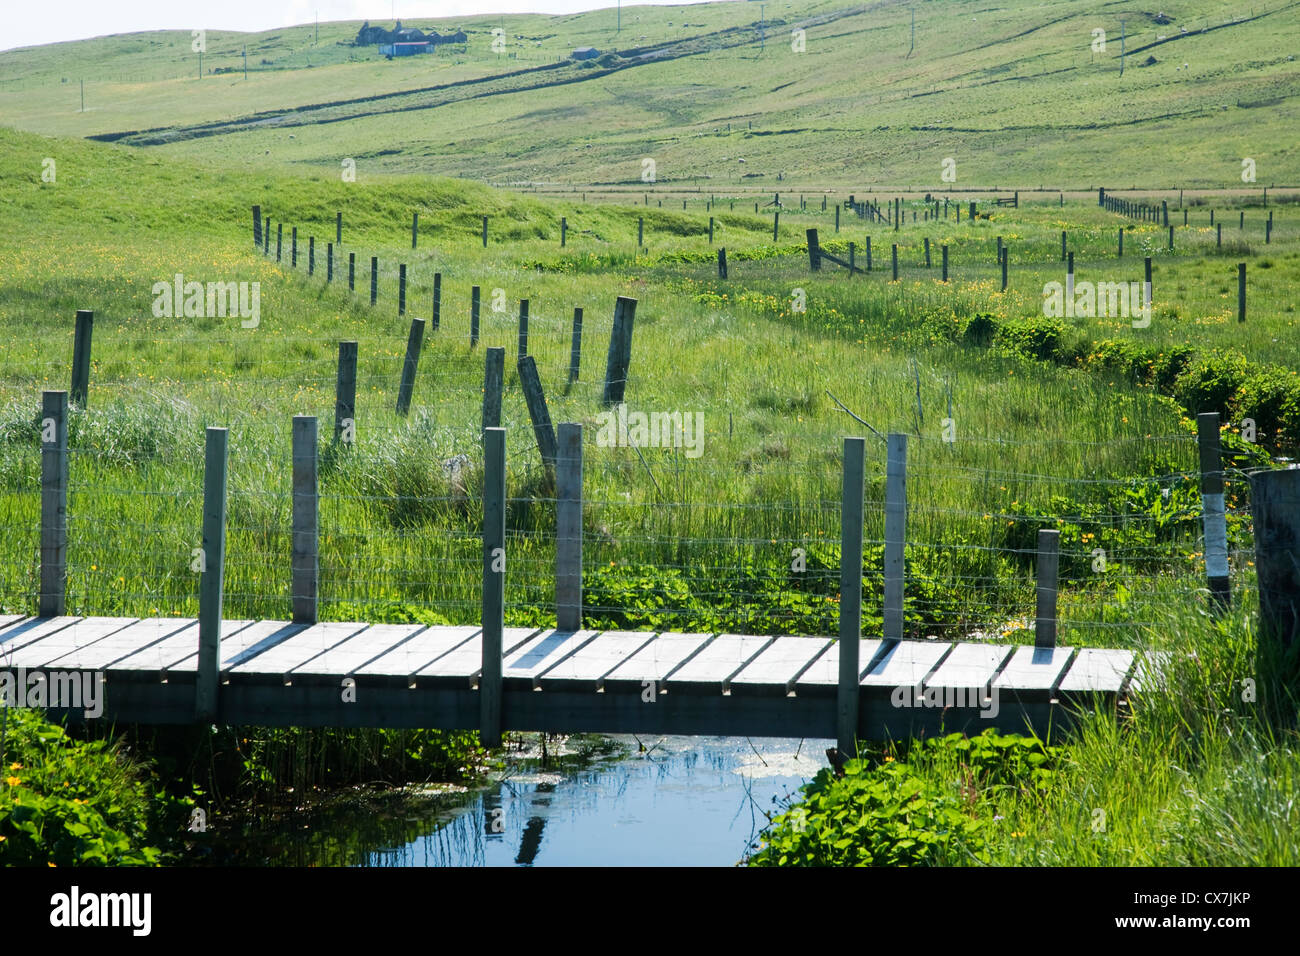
<point x="54" y="503"/>
<point x="494" y="583"/>
<point x="306" y="520"/>
<point x="568" y="528"/>
<point x="494" y="371"/>
<point x="895" y="533"/>
<point x="1213" y="515"/>
<point x="1048" y="566"/>
<point x="846" y="704"/>
<point x="212" y="561"/>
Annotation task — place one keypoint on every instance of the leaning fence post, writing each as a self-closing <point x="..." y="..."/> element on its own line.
<point x="212" y="562"/>
<point x="895" y="532"/>
<point x="568" y="528"/>
<point x="306" y="520"/>
<point x="535" y="398"/>
<point x="575" y="350"/>
<point x="54" y="503"/>
<point x="1214" y="520"/>
<point x="81" y="357"/>
<point x="846" y="702"/>
<point x="1048" y="565"/>
<point x="494" y="582"/>
<point x="413" y="342"/>
<point x="814" y="251"/>
<point x="620" y="351"/>
<point x="345" y="394"/>
<point x="473" y="316"/>
<point x="523" y="328"/>
<point x="494" y="371"/>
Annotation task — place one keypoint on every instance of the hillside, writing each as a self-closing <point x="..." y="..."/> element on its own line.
<point x="1014" y="94"/>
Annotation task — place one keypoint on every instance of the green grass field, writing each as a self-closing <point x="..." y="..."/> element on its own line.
<point x="1083" y="424"/>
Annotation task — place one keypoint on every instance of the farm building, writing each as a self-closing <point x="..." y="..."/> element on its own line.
<point x="585" y="53"/>
<point x="403" y="49"/>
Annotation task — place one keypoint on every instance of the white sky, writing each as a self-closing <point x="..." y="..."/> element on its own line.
<point x="29" y="23"/>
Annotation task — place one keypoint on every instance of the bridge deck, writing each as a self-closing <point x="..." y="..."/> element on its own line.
<point x="410" y="675"/>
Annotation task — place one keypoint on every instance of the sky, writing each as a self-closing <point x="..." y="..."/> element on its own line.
<point x="29" y="23"/>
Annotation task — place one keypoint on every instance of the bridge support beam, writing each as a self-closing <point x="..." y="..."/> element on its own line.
<point x="568" y="528"/>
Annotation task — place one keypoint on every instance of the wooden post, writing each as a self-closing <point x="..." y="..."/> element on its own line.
<point x="972" y="210"/>
<point x="1241" y="292"/>
<point x="536" y="401"/>
<point x="722" y="262"/>
<point x="494" y="582"/>
<point x="620" y="351"/>
<point x="415" y="228"/>
<point x="266" y="236"/>
<point x="294" y="248"/>
<point x="776" y="226"/>
<point x="338" y="228"/>
<point x="850" y="634"/>
<point x="81" y="357"/>
<point x="345" y="394"/>
<point x="1268" y="229"/>
<point x="814" y="251"/>
<point x="474" y="304"/>
<point x="1213" y="518"/>
<point x="944" y="249"/>
<point x="1171" y="238"/>
<point x="1120" y="254"/>
<point x="894" y="260"/>
<point x="279" y="240"/>
<point x="494" y="373"/>
<point x="1069" y="277"/>
<point x="485" y="219"/>
<point x="564" y="231"/>
<point x="895" y="533"/>
<point x="523" y="328"/>
<point x="306" y="521"/>
<point x="853" y="257"/>
<point x="1048" y="564"/>
<point x="54" y="503"/>
<point x="257" y="227"/>
<point x="437" y="300"/>
<point x="999" y="250"/>
<point x="898" y="212"/>
<point x="329" y="262"/>
<point x="413" y="342"/>
<point x="1164" y="210"/>
<point x="401" y="289"/>
<point x="1146" y="288"/>
<point x="1062" y="245"/>
<point x="211" y="580"/>
<point x="710" y="230"/>
<point x="1218" y="242"/>
<point x="927" y="252"/>
<point x="575" y="350"/>
<point x="568" y="528"/>
<point x="352" y="271"/>
<point x="837" y="217"/>
<point x="1005" y="256"/>
<point x="1184" y="216"/>
<point x="311" y="255"/>
<point x="640" y="231"/>
<point x="1275" y="509"/>
<point x="374" y="279"/>
<point x="1241" y="223"/>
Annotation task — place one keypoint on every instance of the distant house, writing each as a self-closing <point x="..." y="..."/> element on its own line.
<point x="403" y="49"/>
<point x="585" y="53"/>
<point x="389" y="40"/>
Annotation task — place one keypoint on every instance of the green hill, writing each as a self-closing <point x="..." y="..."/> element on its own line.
<point x="1015" y="94"/>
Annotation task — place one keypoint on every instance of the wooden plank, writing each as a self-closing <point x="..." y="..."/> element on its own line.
<point x="655" y="661"/>
<point x="904" y="663"/>
<point x="824" y="672"/>
<point x="102" y="654"/>
<point x="7" y="619"/>
<point x="540" y="653"/>
<point x="73" y="637"/>
<point x="296" y="649"/>
<point x="774" y="671"/>
<point x="245" y="642"/>
<point x="173" y="649"/>
<point x="970" y="665"/>
<point x="465" y="662"/>
<point x="359" y="649"/>
<point x="419" y="650"/>
<point x="1097" y="670"/>
<point x="711" y="669"/>
<point x="33" y="629"/>
<point x="1034" y="669"/>
<point x="586" y="669"/>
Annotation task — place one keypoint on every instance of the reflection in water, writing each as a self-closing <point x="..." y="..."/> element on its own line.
<point x="683" y="801"/>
